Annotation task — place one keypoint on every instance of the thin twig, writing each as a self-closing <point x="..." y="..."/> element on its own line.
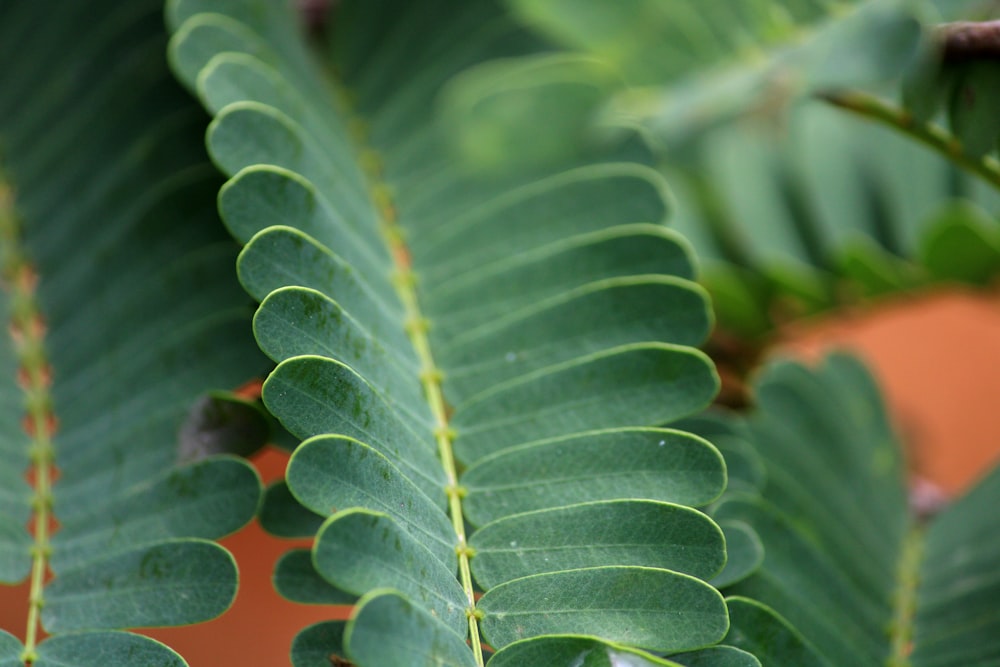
<point x="933" y="136"/>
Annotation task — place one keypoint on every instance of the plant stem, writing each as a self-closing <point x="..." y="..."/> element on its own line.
<point x="431" y="380"/>
<point x="27" y="332"/>
<point x="42" y="461"/>
<point x="905" y="602"/>
<point x="929" y="134"/>
<point x="430" y="376"/>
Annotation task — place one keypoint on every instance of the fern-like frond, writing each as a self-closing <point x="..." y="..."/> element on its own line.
<point x="851" y="574"/>
<point x="822" y="209"/>
<point x="122" y="312"/>
<point x="427" y="320"/>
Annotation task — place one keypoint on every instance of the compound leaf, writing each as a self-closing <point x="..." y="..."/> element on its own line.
<point x="428" y="319"/>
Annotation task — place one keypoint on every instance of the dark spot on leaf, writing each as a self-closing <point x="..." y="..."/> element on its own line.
<point x="222" y="423"/>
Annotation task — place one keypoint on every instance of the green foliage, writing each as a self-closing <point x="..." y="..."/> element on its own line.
<point x="723" y="57"/>
<point x="651" y="42"/>
<point x="587" y="359"/>
<point x="851" y="575"/>
<point x="112" y="210"/>
<point x="821" y="209"/>
<point x="766" y="635"/>
<point x="795" y="207"/>
<point x="482" y="345"/>
<point x="674" y="70"/>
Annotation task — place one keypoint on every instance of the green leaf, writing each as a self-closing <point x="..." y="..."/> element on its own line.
<point x="170" y="583"/>
<point x="316" y="645"/>
<point x="842" y="564"/>
<point x="955" y="620"/>
<point x="552" y="208"/>
<point x="717" y="656"/>
<point x="641" y="533"/>
<point x="264" y="264"/>
<point x="260" y="197"/>
<point x="647" y="608"/>
<point x="517" y="281"/>
<point x="872" y="272"/>
<point x="802" y="583"/>
<point x="360" y="550"/>
<point x="322" y="326"/>
<point x="15" y="550"/>
<point x="578" y="651"/>
<point x="387" y="629"/>
<point x="10" y="650"/>
<point x="963" y="245"/>
<point x="744" y="553"/>
<point x="15" y="492"/>
<point x="282" y="257"/>
<point x="633" y="385"/>
<point x="973" y="107"/>
<point x="207" y="499"/>
<point x="740" y="298"/>
<point x="611" y="312"/>
<point x="925" y="86"/>
<point x="316" y="395"/>
<point x="216" y="29"/>
<point x="296" y="579"/>
<point x="758" y="629"/>
<point x="744" y="469"/>
<point x="656" y="464"/>
<point x="99" y="649"/>
<point x="283" y="516"/>
<point x="523" y="112"/>
<point x="329" y="473"/>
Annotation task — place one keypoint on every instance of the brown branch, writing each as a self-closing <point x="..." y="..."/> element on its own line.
<point x="969" y="40"/>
